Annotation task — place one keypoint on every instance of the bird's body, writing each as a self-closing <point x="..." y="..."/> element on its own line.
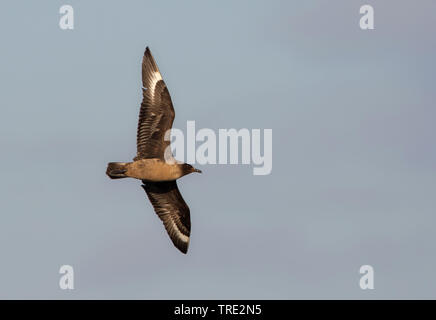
<point x="152" y="170"/>
<point x="154" y="164"/>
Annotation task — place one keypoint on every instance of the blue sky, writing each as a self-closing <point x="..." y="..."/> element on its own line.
<point x="353" y="179"/>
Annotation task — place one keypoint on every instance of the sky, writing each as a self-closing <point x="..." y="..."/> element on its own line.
<point x="353" y="174"/>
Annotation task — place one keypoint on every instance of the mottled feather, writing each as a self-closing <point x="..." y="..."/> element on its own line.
<point x="156" y="115"/>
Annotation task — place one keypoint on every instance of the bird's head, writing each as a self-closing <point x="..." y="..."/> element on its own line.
<point x="187" y="169"/>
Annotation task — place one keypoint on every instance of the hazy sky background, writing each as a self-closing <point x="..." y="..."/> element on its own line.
<point x="354" y="158"/>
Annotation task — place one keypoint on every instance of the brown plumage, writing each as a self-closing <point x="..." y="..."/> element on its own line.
<point x="154" y="164"/>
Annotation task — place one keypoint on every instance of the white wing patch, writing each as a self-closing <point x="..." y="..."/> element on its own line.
<point x="174" y="227"/>
<point x="154" y="80"/>
<point x="182" y="237"/>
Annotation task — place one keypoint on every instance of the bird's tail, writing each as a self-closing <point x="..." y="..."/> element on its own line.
<point x="116" y="170"/>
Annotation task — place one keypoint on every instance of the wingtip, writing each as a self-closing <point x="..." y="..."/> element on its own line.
<point x="149" y="56"/>
<point x="182" y="248"/>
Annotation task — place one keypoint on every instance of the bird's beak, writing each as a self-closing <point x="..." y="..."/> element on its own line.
<point x="196" y="170"/>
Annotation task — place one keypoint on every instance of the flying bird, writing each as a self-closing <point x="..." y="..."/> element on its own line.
<point x="154" y="163"/>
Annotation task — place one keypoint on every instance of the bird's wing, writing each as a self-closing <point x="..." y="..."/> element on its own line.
<point x="172" y="210"/>
<point x="157" y="113"/>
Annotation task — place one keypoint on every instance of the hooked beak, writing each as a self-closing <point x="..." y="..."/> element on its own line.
<point x="196" y="170"/>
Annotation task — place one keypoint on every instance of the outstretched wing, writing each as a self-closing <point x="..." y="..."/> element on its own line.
<point x="157" y="113"/>
<point x="172" y="210"/>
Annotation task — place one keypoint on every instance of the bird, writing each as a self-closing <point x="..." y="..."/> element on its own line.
<point x="154" y="163"/>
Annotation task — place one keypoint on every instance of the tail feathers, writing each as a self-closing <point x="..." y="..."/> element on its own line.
<point x="116" y="170"/>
